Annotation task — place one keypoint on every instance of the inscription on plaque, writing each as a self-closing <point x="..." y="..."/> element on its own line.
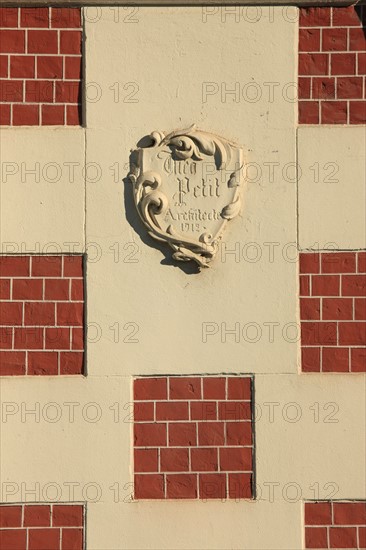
<point x="186" y="188"/>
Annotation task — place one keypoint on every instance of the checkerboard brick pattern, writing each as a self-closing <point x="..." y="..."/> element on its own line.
<point x="41" y="527"/>
<point x="193" y="437"/>
<point x="333" y="311"/>
<point x="332" y="65"/>
<point x="41" y="315"/>
<point x="40" y="66"/>
<point x="335" y="524"/>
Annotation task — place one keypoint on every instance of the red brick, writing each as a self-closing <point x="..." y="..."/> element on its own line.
<point x="78" y="338"/>
<point x="182" y="434"/>
<point x="185" y="388"/>
<point x="345" y="17"/>
<point x="73" y="265"/>
<point x="43" y="363"/>
<point x="343" y="537"/>
<point x="323" y="88"/>
<point x="4" y="289"/>
<point x="335" y="359"/>
<point x="360" y="309"/>
<point x="337" y="308"/>
<point x="77" y="290"/>
<point x="214" y="388"/>
<point x="71" y="362"/>
<point x="11" y="90"/>
<point x="304" y="85"/>
<point x="174" y="460"/>
<point x="309" y="308"/>
<point x="309" y="40"/>
<point x="357" y="112"/>
<point x="238" y="433"/>
<point x="44" y="539"/>
<point x="314" y="17"/>
<point x="72" y="539"/>
<point x="150" y="388"/>
<point x="22" y="66"/>
<point x="49" y="66"/>
<point x="313" y="64"/>
<point x="349" y="513"/>
<point x="70" y="314"/>
<point x="361" y="262"/>
<point x="314" y="334"/>
<point x="310" y="359"/>
<point x="27" y="289"/>
<point x="70" y="42"/>
<point x="10" y="516"/>
<point x="12" y="41"/>
<point x="149" y="486"/>
<point x="57" y="338"/>
<point x="28" y="338"/>
<point x="172" y="411"/>
<point x="325" y="285"/>
<point x="73" y="115"/>
<point x="212" y="486"/>
<point x="4" y="66"/>
<point x="352" y="333"/>
<point x="143" y="411"/>
<point x="318" y="513"/>
<point x="204" y="460"/>
<point x="362" y="537"/>
<point x="56" y="289"/>
<point x="354" y="285"/>
<point x="310" y="262"/>
<point x="39" y="313"/>
<point x="65" y="18"/>
<point x="304" y="285"/>
<point x="42" y="41"/>
<point x="239" y="387"/>
<point x="25" y="115"/>
<point x="6" y="337"/>
<point x="343" y="63"/>
<point x="53" y="115"/>
<point x="358" y="360"/>
<point x="357" y="39"/>
<point x="308" y="112"/>
<point x="37" y="516"/>
<point x="361" y="63"/>
<point x="39" y="91"/>
<point x="234" y="410"/>
<point x="235" y="459"/>
<point x="349" y="87"/>
<point x="338" y="262"/>
<point x="204" y="410"/>
<point x="334" y="39"/>
<point x="4" y="115"/>
<point x="334" y="112"/>
<point x="181" y="486"/>
<point x="240" y="486"/>
<point x="34" y="17"/>
<point x="316" y="537"/>
<point x="211" y="433"/>
<point x="8" y="17"/>
<point x="10" y="313"/>
<point x="67" y="515"/>
<point x="14" y="266"/>
<point x="73" y="68"/>
<point x="13" y="539"/>
<point x="150" y="435"/>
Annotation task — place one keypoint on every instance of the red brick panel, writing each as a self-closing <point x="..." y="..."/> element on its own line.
<point x="193" y="437"/>
<point x="333" y="311"/>
<point x="335" y="525"/>
<point x="332" y="71"/>
<point x="40" y="66"/>
<point x="41" y="315"/>
<point x="41" y="527"/>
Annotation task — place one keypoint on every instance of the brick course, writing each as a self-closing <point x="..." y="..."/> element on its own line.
<point x="193" y="437"/>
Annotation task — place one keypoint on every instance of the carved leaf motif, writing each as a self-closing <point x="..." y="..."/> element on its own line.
<point x="232" y="209"/>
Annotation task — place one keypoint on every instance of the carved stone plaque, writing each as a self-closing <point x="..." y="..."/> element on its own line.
<point x="186" y="188"/>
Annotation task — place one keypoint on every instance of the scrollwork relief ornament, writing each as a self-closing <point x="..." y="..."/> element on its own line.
<point x="187" y="186"/>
